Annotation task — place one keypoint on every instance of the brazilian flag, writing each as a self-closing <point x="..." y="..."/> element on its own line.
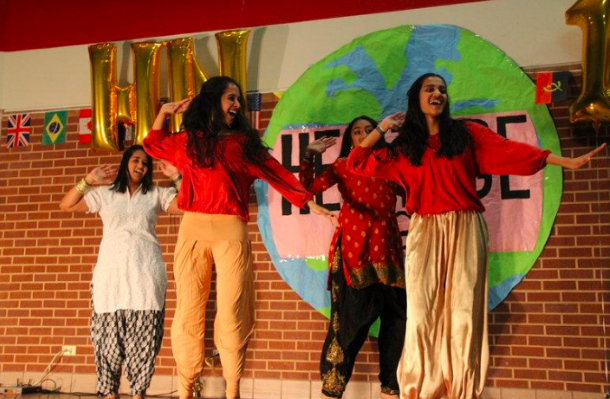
<point x="54" y="128"/>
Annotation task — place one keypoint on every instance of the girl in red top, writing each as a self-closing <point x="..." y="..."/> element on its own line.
<point x="219" y="156"/>
<point x="366" y="274"/>
<point x="437" y="159"/>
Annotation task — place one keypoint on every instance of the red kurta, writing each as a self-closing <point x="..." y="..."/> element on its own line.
<point x="223" y="188"/>
<point x="443" y="185"/>
<point x="370" y="242"/>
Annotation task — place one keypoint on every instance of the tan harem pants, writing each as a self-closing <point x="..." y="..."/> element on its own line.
<point x="446" y="351"/>
<point x="204" y="240"/>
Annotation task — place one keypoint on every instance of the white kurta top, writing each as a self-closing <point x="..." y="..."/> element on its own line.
<point x="130" y="273"/>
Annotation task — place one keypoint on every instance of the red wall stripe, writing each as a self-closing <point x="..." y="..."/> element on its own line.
<point x="35" y="24"/>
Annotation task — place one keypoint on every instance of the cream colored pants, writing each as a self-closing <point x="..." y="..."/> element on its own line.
<point x="446" y="352"/>
<point x="205" y="240"/>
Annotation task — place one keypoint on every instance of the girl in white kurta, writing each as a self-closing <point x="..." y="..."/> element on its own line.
<point x="129" y="279"/>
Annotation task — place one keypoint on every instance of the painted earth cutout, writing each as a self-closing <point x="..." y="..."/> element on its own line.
<point x="370" y="76"/>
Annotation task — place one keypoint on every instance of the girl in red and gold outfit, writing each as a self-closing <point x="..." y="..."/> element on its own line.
<point x="219" y="156"/>
<point x="366" y="276"/>
<point x="437" y="159"/>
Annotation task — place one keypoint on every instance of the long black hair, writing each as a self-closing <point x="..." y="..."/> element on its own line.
<point x="121" y="182"/>
<point x="413" y="137"/>
<point x="204" y="122"/>
<point x="347" y="143"/>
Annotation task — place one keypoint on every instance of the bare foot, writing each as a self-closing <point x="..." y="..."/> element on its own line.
<point x="113" y="396"/>
<point x="138" y="397"/>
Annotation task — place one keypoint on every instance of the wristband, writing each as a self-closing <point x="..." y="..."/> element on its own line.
<point x="380" y="130"/>
<point x="82" y="186"/>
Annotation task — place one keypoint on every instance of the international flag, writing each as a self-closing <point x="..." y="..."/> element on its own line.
<point x="84" y="126"/>
<point x="551" y="87"/>
<point x="18" y="132"/>
<point x="255" y="102"/>
<point x="54" y="128"/>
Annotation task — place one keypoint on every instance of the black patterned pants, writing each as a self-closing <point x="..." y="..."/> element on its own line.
<point x="353" y="312"/>
<point x="129" y="337"/>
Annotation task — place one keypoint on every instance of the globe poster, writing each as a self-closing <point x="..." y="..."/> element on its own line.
<point x="370" y="76"/>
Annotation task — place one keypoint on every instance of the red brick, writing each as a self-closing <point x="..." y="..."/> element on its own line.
<point x="531" y="374"/>
<point x="511" y="384"/>
<point x="547" y="385"/>
<point x="565" y="376"/>
<point x="545" y="363"/>
<point x="563" y="353"/>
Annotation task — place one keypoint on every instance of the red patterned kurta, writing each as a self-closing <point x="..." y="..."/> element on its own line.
<point x="369" y="237"/>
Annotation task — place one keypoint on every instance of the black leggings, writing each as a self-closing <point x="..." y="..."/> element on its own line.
<point x="353" y="311"/>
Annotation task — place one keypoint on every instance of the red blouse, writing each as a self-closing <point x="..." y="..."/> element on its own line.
<point x="223" y="188"/>
<point x="442" y="185"/>
<point x="368" y="236"/>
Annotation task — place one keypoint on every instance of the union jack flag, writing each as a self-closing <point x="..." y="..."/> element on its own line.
<point x="255" y="101"/>
<point x="18" y="132"/>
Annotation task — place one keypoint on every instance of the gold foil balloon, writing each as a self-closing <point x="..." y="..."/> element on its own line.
<point x="232" y="51"/>
<point x="185" y="75"/>
<point x="146" y="60"/>
<point x="136" y="103"/>
<point x="593" y="104"/>
<point x="104" y="98"/>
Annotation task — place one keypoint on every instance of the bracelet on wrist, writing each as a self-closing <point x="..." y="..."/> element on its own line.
<point x="82" y="186"/>
<point x="380" y="130"/>
<point x="308" y="158"/>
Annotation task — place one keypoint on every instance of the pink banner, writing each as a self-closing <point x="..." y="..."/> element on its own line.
<point x="513" y="203"/>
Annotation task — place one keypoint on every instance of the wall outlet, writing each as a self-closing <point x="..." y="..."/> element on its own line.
<point x="69" y="350"/>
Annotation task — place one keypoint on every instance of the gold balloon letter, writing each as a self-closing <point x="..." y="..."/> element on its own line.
<point x="232" y="49"/>
<point x="146" y="61"/>
<point x="111" y="103"/>
<point x="185" y="74"/>
<point x="593" y="104"/>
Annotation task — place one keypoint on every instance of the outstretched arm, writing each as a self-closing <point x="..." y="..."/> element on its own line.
<point x="390" y="122"/>
<point x="271" y="171"/>
<point x="573" y="163"/>
<point x="73" y="200"/>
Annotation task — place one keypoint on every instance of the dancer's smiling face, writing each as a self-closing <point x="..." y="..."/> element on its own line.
<point x="138" y="166"/>
<point x="360" y="130"/>
<point x="433" y="96"/>
<point x="229" y="103"/>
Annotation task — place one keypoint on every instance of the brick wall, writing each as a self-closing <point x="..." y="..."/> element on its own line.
<point x="548" y="334"/>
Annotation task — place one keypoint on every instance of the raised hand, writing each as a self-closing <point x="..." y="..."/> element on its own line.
<point x="573" y="163"/>
<point x="175" y="107"/>
<point x="320" y="210"/>
<point x="101" y="175"/>
<point x="393" y="121"/>
<point x="169" y="170"/>
<point x="320" y="146"/>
